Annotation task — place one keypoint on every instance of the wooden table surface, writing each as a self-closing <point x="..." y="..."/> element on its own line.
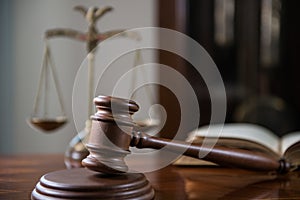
<point x="19" y="175"/>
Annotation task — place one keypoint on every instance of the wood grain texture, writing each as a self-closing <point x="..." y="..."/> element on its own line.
<point x="19" y="175"/>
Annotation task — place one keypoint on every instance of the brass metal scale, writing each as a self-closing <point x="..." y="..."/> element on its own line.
<point x="40" y="118"/>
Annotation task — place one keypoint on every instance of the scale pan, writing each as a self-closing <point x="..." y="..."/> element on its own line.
<point x="48" y="124"/>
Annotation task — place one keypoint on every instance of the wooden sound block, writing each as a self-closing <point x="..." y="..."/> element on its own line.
<point x="82" y="183"/>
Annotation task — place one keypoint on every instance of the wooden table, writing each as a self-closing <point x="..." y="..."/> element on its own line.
<point x="19" y="175"/>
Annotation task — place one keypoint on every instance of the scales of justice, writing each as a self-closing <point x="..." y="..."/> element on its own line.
<point x="76" y="181"/>
<point x="97" y="170"/>
<point x="41" y="118"/>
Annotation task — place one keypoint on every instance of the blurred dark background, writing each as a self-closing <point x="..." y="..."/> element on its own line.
<point x="255" y="45"/>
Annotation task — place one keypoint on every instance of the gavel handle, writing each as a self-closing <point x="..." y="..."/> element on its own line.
<point x="224" y="156"/>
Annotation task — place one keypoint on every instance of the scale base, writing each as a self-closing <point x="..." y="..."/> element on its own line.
<point x="82" y="183"/>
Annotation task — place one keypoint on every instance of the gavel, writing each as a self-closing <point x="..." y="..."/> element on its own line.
<point x="113" y="132"/>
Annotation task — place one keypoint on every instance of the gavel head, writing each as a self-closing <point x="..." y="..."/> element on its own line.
<point x="110" y="135"/>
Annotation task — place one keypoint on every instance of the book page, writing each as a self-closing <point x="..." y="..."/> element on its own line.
<point x="292" y="156"/>
<point x="288" y="140"/>
<point x="244" y="131"/>
<point x="235" y="135"/>
<point x="232" y="143"/>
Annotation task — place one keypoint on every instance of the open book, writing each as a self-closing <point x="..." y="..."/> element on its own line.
<point x="246" y="136"/>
